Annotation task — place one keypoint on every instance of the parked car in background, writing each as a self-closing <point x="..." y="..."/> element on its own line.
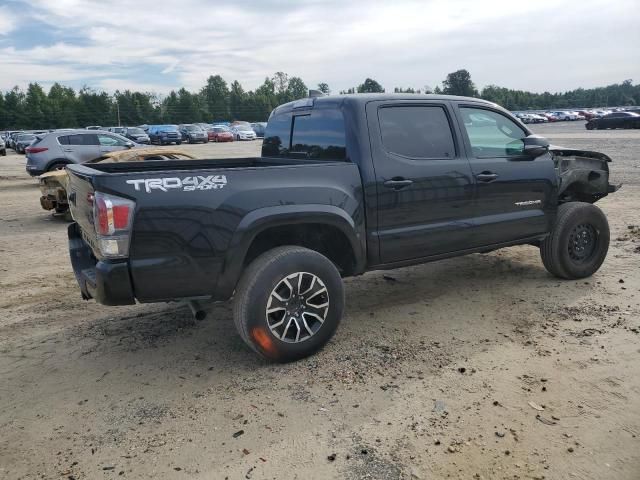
<point x="220" y="134"/>
<point x="93" y="127"/>
<point x="567" y="116"/>
<point x="192" y="133"/>
<point x="243" y="131"/>
<point x="259" y="128"/>
<point x="549" y="117"/>
<point x="614" y="120"/>
<point x="164" y="134"/>
<point x="587" y="114"/>
<point x="3" y="147"/>
<point x="22" y="141"/>
<point x="537" y="118"/>
<point x="56" y="150"/>
<point x="136" y="134"/>
<point x="11" y="142"/>
<point x="118" y="130"/>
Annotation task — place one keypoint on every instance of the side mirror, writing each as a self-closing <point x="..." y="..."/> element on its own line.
<point x="535" y="145"/>
<point x="130" y="144"/>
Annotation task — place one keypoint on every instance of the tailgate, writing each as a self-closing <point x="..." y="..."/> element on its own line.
<point x="80" y="195"/>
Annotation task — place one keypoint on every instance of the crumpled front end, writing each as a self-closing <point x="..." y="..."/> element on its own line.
<point x="583" y="175"/>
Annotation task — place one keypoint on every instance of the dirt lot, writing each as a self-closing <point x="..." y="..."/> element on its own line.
<point x="477" y="367"/>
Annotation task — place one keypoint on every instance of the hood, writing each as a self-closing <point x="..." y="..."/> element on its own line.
<point x="572" y="152"/>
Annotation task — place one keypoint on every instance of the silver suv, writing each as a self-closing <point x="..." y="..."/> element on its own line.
<point x="57" y="149"/>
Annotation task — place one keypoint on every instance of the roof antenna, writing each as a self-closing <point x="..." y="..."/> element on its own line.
<point x="315" y="93"/>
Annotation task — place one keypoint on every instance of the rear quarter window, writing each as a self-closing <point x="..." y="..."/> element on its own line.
<point x="318" y="135"/>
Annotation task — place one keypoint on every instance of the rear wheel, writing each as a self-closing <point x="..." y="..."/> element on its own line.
<point x="288" y="303"/>
<point x="57" y="166"/>
<point x="578" y="243"/>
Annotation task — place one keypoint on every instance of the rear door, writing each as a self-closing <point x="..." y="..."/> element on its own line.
<point x="423" y="180"/>
<point x="80" y="147"/>
<point x="515" y="193"/>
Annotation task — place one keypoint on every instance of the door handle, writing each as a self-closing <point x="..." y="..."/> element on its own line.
<point x="487" y="176"/>
<point x="397" y="183"/>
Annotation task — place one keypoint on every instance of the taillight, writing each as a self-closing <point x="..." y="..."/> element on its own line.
<point x="36" y="149"/>
<point x="113" y="218"/>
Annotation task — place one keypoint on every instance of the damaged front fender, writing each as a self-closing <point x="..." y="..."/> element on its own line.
<point x="583" y="174"/>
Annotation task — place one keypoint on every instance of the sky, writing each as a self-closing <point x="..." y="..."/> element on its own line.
<point x="156" y="46"/>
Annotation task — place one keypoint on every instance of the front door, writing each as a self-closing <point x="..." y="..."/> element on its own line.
<point x="109" y="143"/>
<point x="423" y="181"/>
<point x="515" y="193"/>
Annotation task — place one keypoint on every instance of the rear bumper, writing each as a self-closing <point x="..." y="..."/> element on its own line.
<point x="33" y="170"/>
<point x="107" y="282"/>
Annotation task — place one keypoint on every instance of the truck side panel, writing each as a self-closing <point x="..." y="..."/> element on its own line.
<point x="181" y="239"/>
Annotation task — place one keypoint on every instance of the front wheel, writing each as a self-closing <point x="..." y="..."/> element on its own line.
<point x="578" y="242"/>
<point x="288" y="303"/>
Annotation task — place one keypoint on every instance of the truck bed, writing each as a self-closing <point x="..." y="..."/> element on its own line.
<point x="195" y="219"/>
<point x="199" y="164"/>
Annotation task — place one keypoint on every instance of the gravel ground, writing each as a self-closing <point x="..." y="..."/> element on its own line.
<point x="483" y="366"/>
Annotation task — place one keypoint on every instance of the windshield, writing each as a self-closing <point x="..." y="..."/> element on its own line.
<point x="193" y="128"/>
<point x="244" y="128"/>
<point x="168" y="128"/>
<point x="220" y="129"/>
<point x="135" y="131"/>
<point x="26" y="137"/>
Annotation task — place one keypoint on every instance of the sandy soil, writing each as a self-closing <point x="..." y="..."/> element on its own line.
<point x="477" y="367"/>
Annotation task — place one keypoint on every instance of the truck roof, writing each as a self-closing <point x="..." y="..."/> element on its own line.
<point x="363" y="98"/>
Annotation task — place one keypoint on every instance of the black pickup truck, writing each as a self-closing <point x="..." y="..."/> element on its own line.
<point x="345" y="184"/>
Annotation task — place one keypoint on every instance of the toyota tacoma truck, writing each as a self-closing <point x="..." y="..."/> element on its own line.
<point x="344" y="185"/>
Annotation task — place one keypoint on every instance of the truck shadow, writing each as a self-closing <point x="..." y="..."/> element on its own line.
<point x="375" y="301"/>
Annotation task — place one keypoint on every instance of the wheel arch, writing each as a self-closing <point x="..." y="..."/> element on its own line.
<point x="324" y="228"/>
<point x="63" y="161"/>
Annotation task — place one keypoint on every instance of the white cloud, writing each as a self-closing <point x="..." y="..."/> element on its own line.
<point x="7" y="21"/>
<point x="542" y="45"/>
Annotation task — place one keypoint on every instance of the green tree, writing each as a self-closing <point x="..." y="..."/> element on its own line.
<point x="370" y="86"/>
<point x="459" y="83"/>
<point x="296" y="89"/>
<point x="324" y="88"/>
<point x="64" y="106"/>
<point x="14" y="105"/>
<point x="237" y="99"/>
<point x="215" y="95"/>
<point x="36" y="107"/>
<point x="281" y="82"/>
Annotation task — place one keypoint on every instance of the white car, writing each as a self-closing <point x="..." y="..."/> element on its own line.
<point x="243" y="132"/>
<point x="538" y="118"/>
<point x="567" y="116"/>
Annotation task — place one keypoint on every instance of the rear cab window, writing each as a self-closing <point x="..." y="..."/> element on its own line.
<point x="316" y="134"/>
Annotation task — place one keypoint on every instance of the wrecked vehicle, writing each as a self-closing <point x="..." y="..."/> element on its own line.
<point x="54" y="184"/>
<point x="345" y="185"/>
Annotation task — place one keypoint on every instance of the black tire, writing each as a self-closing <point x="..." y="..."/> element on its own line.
<point x="262" y="279"/>
<point x="578" y="242"/>
<point x="178" y="143"/>
<point x="3" y="152"/>
<point x="57" y="166"/>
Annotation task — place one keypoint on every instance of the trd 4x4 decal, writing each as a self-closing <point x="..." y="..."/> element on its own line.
<point x="186" y="184"/>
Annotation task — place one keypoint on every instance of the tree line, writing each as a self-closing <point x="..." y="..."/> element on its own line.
<point x="217" y="100"/>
